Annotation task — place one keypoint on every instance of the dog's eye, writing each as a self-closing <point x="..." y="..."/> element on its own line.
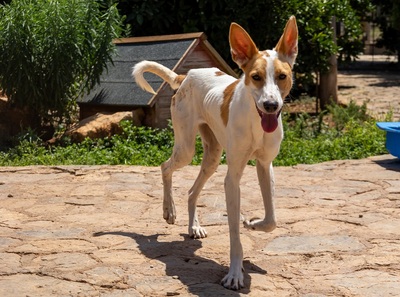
<point x="282" y="76"/>
<point x="256" y="77"/>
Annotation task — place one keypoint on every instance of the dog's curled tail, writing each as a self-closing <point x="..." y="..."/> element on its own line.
<point x="165" y="73"/>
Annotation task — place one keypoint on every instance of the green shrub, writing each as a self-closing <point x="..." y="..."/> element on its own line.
<point x="307" y="140"/>
<point x="51" y="51"/>
<point x="353" y="135"/>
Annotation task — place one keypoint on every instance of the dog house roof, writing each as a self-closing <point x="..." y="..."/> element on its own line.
<point x="116" y="85"/>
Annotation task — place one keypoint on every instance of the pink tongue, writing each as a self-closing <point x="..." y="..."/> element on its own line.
<point x="269" y="122"/>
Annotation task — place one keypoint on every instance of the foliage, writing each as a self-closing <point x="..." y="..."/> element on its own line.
<point x="358" y="141"/>
<point x="264" y="20"/>
<point x="316" y="42"/>
<point x="353" y="135"/>
<point x="136" y="145"/>
<point x="212" y="17"/>
<point x="307" y="140"/>
<point x="52" y="51"/>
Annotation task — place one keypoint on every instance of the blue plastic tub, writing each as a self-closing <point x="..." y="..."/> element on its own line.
<point x="392" y="136"/>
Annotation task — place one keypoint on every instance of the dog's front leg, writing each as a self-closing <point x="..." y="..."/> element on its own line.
<point x="265" y="175"/>
<point x="234" y="279"/>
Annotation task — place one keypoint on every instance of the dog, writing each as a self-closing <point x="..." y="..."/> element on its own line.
<point x="241" y="116"/>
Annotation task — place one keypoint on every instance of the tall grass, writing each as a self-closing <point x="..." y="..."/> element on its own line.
<point x="341" y="133"/>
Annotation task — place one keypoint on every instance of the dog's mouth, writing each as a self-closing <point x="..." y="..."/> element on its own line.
<point x="269" y="121"/>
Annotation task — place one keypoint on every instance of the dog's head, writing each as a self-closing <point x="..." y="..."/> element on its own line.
<point x="268" y="74"/>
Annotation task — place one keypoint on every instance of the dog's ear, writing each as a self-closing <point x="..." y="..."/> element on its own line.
<point x="242" y="46"/>
<point x="287" y="45"/>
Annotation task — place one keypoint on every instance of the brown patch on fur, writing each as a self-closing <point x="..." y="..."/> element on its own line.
<point x="179" y="79"/>
<point x="228" y="94"/>
<point x="256" y="66"/>
<point x="284" y="84"/>
<point x="219" y="73"/>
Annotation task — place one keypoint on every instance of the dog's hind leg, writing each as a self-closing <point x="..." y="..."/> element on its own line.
<point x="182" y="155"/>
<point x="185" y="132"/>
<point x="211" y="158"/>
<point x="265" y="175"/>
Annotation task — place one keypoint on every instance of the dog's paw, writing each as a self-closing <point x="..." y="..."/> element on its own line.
<point x="233" y="280"/>
<point x="169" y="216"/>
<point x="169" y="211"/>
<point x="197" y="232"/>
<point x="259" y="225"/>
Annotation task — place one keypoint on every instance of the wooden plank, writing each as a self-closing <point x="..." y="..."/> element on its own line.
<point x="149" y="119"/>
<point x="164" y="102"/>
<point x="163" y="113"/>
<point x="163" y="117"/>
<point x="199" y="54"/>
<point x="164" y="90"/>
<point x="185" y="56"/>
<point x="224" y="66"/>
<point x="202" y="55"/>
<point x="157" y="38"/>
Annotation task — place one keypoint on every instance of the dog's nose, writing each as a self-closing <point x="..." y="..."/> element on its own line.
<point x="271" y="106"/>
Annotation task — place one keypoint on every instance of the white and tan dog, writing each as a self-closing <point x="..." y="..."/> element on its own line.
<point x="242" y="116"/>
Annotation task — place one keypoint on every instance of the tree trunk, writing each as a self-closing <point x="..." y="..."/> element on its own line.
<point x="327" y="89"/>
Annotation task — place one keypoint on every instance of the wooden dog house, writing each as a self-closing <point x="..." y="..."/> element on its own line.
<point x="118" y="92"/>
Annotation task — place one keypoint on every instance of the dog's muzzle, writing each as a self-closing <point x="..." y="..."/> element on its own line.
<point x="271" y="107"/>
<point x="269" y="120"/>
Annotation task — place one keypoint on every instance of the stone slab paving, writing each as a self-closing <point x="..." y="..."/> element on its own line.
<point x="378" y="87"/>
<point x="98" y="231"/>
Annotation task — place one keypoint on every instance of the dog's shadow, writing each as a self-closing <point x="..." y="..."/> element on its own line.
<point x="200" y="275"/>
